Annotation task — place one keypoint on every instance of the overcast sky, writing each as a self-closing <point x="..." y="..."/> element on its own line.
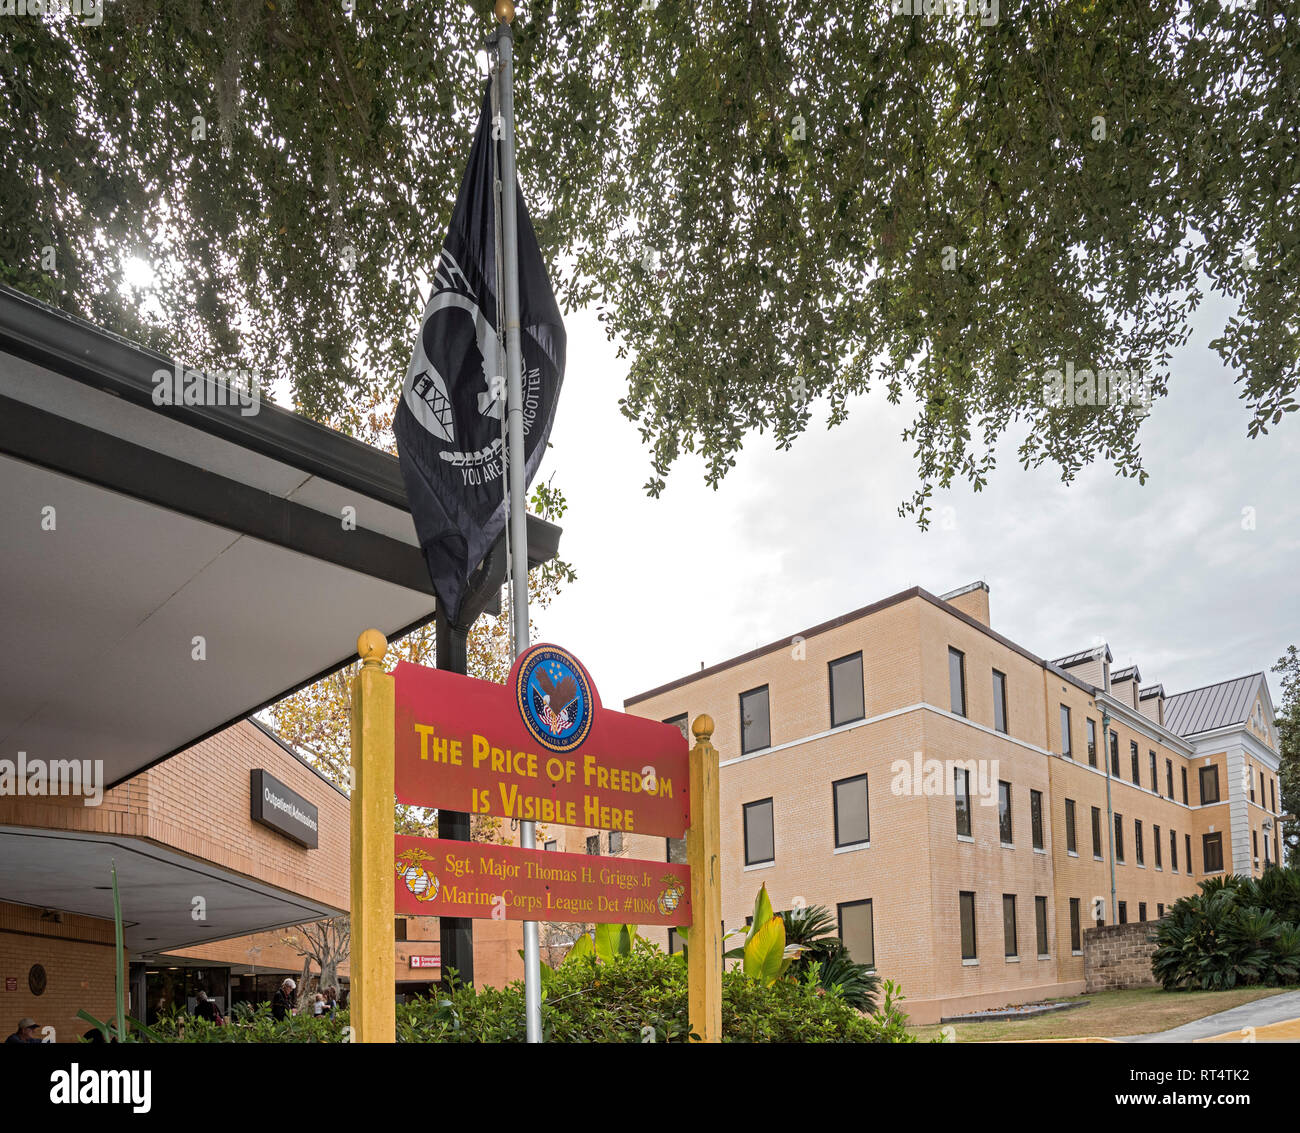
<point x="1166" y="573"/>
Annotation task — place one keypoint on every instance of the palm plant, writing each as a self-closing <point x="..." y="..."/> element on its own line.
<point x="814" y="929"/>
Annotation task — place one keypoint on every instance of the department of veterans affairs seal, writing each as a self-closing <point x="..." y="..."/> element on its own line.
<point x="553" y="692"/>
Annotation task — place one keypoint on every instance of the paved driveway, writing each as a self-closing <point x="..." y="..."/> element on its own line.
<point x="1259" y="1013"/>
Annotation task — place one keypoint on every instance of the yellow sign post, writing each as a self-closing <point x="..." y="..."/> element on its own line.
<point x="373" y="1000"/>
<point x="703" y="852"/>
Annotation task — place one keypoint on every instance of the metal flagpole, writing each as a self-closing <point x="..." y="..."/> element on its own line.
<point x="505" y="13"/>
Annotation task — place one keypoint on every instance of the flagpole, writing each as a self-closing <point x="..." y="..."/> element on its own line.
<point x="505" y="13"/>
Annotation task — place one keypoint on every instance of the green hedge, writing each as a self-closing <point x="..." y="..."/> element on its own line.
<point x="636" y="998"/>
<point x="1237" y="932"/>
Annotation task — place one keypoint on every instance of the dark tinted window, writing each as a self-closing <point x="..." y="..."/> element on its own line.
<point x="755" y="721"/>
<point x="1036" y="818"/>
<point x="858" y="931"/>
<point x="846" y="690"/>
<point x="1004" y="811"/>
<point x="957" y="681"/>
<point x="1067" y="747"/>
<point x="852" y="823"/>
<point x="759" y="841"/>
<point x="999" y="701"/>
<point x="1209" y="784"/>
<point x="1212" y="852"/>
<point x="1071" y="841"/>
<point x="967" y="902"/>
<point x="961" y="789"/>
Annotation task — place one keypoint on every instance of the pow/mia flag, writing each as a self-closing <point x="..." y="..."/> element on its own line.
<point x="449" y="420"/>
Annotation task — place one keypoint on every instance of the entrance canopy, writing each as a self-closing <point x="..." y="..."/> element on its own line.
<point x="169" y="569"/>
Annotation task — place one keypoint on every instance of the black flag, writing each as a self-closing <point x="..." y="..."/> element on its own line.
<point x="448" y="422"/>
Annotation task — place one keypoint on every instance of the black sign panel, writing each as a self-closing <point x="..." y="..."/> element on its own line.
<point x="284" y="811"/>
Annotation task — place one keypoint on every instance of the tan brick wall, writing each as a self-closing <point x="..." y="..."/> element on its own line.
<point x="1119" y="956"/>
<point x="77" y="955"/>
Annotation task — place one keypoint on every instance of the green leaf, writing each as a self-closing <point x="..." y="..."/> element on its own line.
<point x="762" y="910"/>
<point x="764" y="952"/>
<point x="583" y="946"/>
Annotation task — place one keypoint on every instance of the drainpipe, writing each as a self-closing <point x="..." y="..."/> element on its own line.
<point x="1110" y="813"/>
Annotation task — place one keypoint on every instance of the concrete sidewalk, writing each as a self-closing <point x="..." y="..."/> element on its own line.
<point x="1229" y="1024"/>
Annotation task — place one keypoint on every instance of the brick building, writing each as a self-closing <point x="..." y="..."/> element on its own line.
<point x="960" y="804"/>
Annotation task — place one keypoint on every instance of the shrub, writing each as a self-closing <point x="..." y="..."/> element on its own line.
<point x="1236" y="932"/>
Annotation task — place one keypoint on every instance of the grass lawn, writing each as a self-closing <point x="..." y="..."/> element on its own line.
<point x="1107" y="1013"/>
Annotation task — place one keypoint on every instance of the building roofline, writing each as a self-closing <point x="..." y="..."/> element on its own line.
<point x="845" y="619"/>
<point x="284" y="744"/>
<point x="1215" y="684"/>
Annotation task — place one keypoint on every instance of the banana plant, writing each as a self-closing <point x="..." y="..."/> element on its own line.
<point x="765" y="956"/>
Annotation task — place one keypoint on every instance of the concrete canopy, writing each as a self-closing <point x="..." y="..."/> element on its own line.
<point x="171" y="524"/>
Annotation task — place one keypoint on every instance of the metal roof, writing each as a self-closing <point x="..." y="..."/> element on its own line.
<point x="1150" y="691"/>
<point x="1085" y="655"/>
<point x="1120" y="675"/>
<point x="1214" y="706"/>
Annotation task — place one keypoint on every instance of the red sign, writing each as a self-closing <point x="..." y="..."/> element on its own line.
<point x="441" y="878"/>
<point x="425" y="962"/>
<point x="540" y="748"/>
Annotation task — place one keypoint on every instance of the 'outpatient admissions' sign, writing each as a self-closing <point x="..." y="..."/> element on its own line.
<point x="540" y="748"/>
<point x="441" y="878"/>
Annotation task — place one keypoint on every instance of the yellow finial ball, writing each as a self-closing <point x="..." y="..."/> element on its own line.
<point x="505" y="11"/>
<point x="703" y="728"/>
<point x="372" y="645"/>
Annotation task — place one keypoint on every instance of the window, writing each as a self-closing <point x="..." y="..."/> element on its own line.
<point x="1212" y="852"/>
<point x="616" y="841"/>
<point x="1071" y="841"/>
<point x="1261" y="788"/>
<point x="1209" y="784"/>
<point x="1133" y="758"/>
<point x="858" y="931"/>
<point x="681" y="723"/>
<point x="999" y="701"/>
<point x="1169" y="776"/>
<point x="1004" y="812"/>
<point x="1119" y="838"/>
<point x="1160" y="909"/>
<point x="1187" y="843"/>
<point x="1036" y="818"/>
<point x="1184" y="786"/>
<point x="1040" y="923"/>
<point x="1272" y="798"/>
<point x="1155" y="845"/>
<point x="1254" y="844"/>
<point x="1155" y="775"/>
<point x="1092" y="743"/>
<point x="1123" y="912"/>
<point x="852" y="825"/>
<point x="957" y="680"/>
<point x="1251" y="783"/>
<point x="1096" y="833"/>
<point x="1076" y="934"/>
<point x="961" y="789"/>
<point x="1138" y="847"/>
<point x="1142" y="910"/>
<point x="1067" y="747"/>
<point x="552" y="845"/>
<point x="847" y="702"/>
<point x="1009" y="924"/>
<point x="675" y="850"/>
<point x="1114" y="755"/>
<point x="967" y="902"/>
<point x="1267" y="863"/>
<point x="759" y="838"/>
<point x="593" y="844"/>
<point x="755" y="721"/>
<point x="674" y="942"/>
<point x="1173" y="850"/>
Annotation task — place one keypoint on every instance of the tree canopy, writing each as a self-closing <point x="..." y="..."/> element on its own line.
<point x="773" y="204"/>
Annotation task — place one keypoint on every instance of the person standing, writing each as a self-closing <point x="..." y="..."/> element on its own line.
<point x="283" y="1000"/>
